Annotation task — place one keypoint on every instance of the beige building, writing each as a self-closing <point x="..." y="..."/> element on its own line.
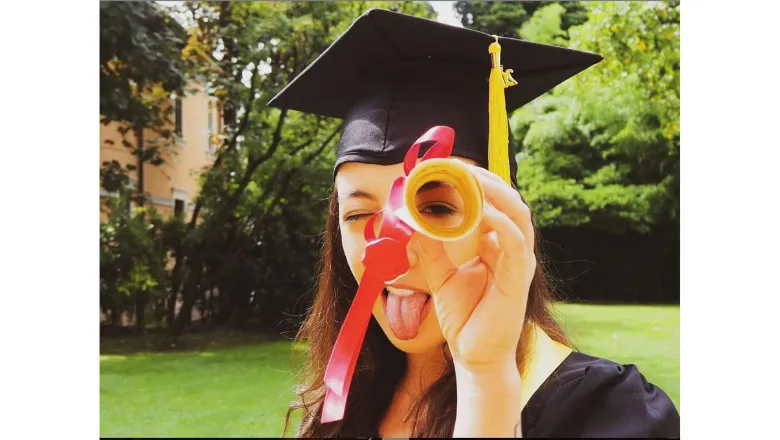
<point x="173" y="186"/>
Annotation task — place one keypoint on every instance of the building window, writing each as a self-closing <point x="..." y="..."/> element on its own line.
<point x="210" y="125"/>
<point x="178" y="207"/>
<point x="130" y="204"/>
<point x="177" y="110"/>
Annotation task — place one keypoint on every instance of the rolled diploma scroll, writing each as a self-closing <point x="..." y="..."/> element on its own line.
<point x="451" y="171"/>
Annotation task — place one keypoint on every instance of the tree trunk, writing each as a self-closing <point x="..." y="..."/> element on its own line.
<point x="209" y="307"/>
<point x="139" y="134"/>
<point x="116" y="316"/>
<point x="189" y="297"/>
<point x="185" y="312"/>
<point x="239" y="306"/>
<point x="171" y="309"/>
<point x="140" y="308"/>
<point x="176" y="281"/>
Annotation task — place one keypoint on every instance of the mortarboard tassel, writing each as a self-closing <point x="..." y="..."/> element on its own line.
<point x="498" y="133"/>
<point x="547" y="354"/>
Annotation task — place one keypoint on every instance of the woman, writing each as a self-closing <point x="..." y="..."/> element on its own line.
<point x="464" y="343"/>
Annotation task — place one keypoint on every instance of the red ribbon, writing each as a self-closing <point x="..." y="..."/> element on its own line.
<point x="384" y="260"/>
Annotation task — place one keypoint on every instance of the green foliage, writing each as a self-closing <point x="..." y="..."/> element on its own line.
<point x="140" y="59"/>
<point x="506" y="19"/>
<point x="576" y="13"/>
<point x="114" y="177"/>
<point x="132" y="258"/>
<point x="254" y="235"/>
<point x="496" y="18"/>
<point x="141" y="67"/>
<point x="603" y="148"/>
<point x="545" y="26"/>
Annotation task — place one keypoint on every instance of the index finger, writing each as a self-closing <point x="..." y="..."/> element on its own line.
<point x="507" y="200"/>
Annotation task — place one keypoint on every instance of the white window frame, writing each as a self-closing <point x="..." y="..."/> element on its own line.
<point x="179" y="194"/>
<point x="210" y="124"/>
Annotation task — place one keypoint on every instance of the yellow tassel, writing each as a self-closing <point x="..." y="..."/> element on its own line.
<point x="498" y="133"/>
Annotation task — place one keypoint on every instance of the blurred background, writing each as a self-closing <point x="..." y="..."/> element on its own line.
<point x="212" y="205"/>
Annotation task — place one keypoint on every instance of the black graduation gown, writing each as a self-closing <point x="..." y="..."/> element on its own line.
<point x="588" y="397"/>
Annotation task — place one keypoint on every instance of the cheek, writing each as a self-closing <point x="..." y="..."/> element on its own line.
<point x="353" y="245"/>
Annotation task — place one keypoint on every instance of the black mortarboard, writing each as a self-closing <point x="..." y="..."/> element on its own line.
<point x="392" y="76"/>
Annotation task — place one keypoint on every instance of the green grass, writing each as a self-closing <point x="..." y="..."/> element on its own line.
<point x="647" y="336"/>
<point x="232" y="385"/>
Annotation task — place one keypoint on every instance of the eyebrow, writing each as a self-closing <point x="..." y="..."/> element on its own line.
<point x="434" y="184"/>
<point x="359" y="194"/>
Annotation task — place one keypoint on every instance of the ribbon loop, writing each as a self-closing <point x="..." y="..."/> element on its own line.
<point x="386" y="259"/>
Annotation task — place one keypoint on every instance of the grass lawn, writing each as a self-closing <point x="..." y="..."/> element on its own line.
<point x="229" y="385"/>
<point x="648" y="336"/>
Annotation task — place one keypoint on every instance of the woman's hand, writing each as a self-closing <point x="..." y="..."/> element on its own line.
<point x="481" y="304"/>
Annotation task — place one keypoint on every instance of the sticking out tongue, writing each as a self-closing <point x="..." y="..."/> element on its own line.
<point x="404" y="313"/>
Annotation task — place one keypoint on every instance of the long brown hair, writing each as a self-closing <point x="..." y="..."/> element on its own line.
<point x="381" y="366"/>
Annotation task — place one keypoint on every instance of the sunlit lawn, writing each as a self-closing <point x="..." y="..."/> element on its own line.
<point x="221" y="389"/>
<point x="648" y="336"/>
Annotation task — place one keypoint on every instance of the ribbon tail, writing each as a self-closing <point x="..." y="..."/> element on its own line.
<point x="343" y="358"/>
<point x="338" y="389"/>
<point x="333" y="407"/>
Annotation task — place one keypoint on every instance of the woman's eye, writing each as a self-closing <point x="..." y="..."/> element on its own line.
<point x="437" y="209"/>
<point x="354" y="217"/>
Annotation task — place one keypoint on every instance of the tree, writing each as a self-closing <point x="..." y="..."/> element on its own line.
<point x="545" y="26"/>
<point x="603" y="148"/>
<point x="598" y="158"/>
<point x="270" y="163"/>
<point x="141" y="65"/>
<point x="132" y="259"/>
<point x="507" y="18"/>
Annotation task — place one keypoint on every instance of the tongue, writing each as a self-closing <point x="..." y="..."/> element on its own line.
<point x="403" y="314"/>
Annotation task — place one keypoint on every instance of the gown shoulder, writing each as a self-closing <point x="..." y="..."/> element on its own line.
<point x="588" y="396"/>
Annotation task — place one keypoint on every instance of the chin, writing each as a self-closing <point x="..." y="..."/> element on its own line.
<point x="413" y="346"/>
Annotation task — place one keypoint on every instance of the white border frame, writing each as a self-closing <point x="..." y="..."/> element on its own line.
<point x="730" y="222"/>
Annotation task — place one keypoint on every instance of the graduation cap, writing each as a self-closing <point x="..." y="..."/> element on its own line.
<point x="392" y="76"/>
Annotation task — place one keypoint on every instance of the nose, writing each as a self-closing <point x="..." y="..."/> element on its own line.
<point x="415" y="276"/>
<point x="411" y="254"/>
